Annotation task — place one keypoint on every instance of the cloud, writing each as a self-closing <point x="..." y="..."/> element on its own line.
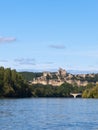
<point x="3" y="61"/>
<point x="49" y="62"/>
<point x="57" y="46"/>
<point x="7" y="39"/>
<point x="23" y="61"/>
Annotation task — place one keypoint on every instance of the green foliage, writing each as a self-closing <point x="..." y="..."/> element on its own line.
<point x="91" y="92"/>
<point x="64" y="90"/>
<point x="90" y="78"/>
<point x="12" y="84"/>
<point x="30" y="75"/>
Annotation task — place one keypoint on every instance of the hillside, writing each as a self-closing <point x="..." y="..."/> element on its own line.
<point x="30" y="75"/>
<point x="60" y="77"/>
<point x="46" y="84"/>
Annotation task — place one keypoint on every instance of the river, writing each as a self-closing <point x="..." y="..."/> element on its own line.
<point x="49" y="114"/>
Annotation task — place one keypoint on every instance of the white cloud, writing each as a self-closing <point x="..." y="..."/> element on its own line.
<point x="25" y="61"/>
<point x="57" y="46"/>
<point x="3" y="61"/>
<point x="7" y="39"/>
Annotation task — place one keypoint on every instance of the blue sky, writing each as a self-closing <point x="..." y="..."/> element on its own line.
<point x="43" y="35"/>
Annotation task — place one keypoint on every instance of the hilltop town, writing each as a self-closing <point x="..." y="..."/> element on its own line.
<point x="60" y="77"/>
<point x="47" y="84"/>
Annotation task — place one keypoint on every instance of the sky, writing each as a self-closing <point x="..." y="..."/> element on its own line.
<point x="44" y="35"/>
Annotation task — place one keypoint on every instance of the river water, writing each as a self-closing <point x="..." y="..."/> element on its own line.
<point x="49" y="114"/>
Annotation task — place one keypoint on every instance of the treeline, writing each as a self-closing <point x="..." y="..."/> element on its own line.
<point x="64" y="90"/>
<point x="12" y="84"/>
<point x="91" y="92"/>
<point x="30" y="75"/>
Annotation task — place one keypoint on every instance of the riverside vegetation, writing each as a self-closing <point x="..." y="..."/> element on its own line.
<point x="16" y="85"/>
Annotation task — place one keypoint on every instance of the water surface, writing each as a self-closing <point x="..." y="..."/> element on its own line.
<point x="49" y="114"/>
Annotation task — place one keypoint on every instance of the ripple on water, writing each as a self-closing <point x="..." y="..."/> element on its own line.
<point x="48" y="114"/>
